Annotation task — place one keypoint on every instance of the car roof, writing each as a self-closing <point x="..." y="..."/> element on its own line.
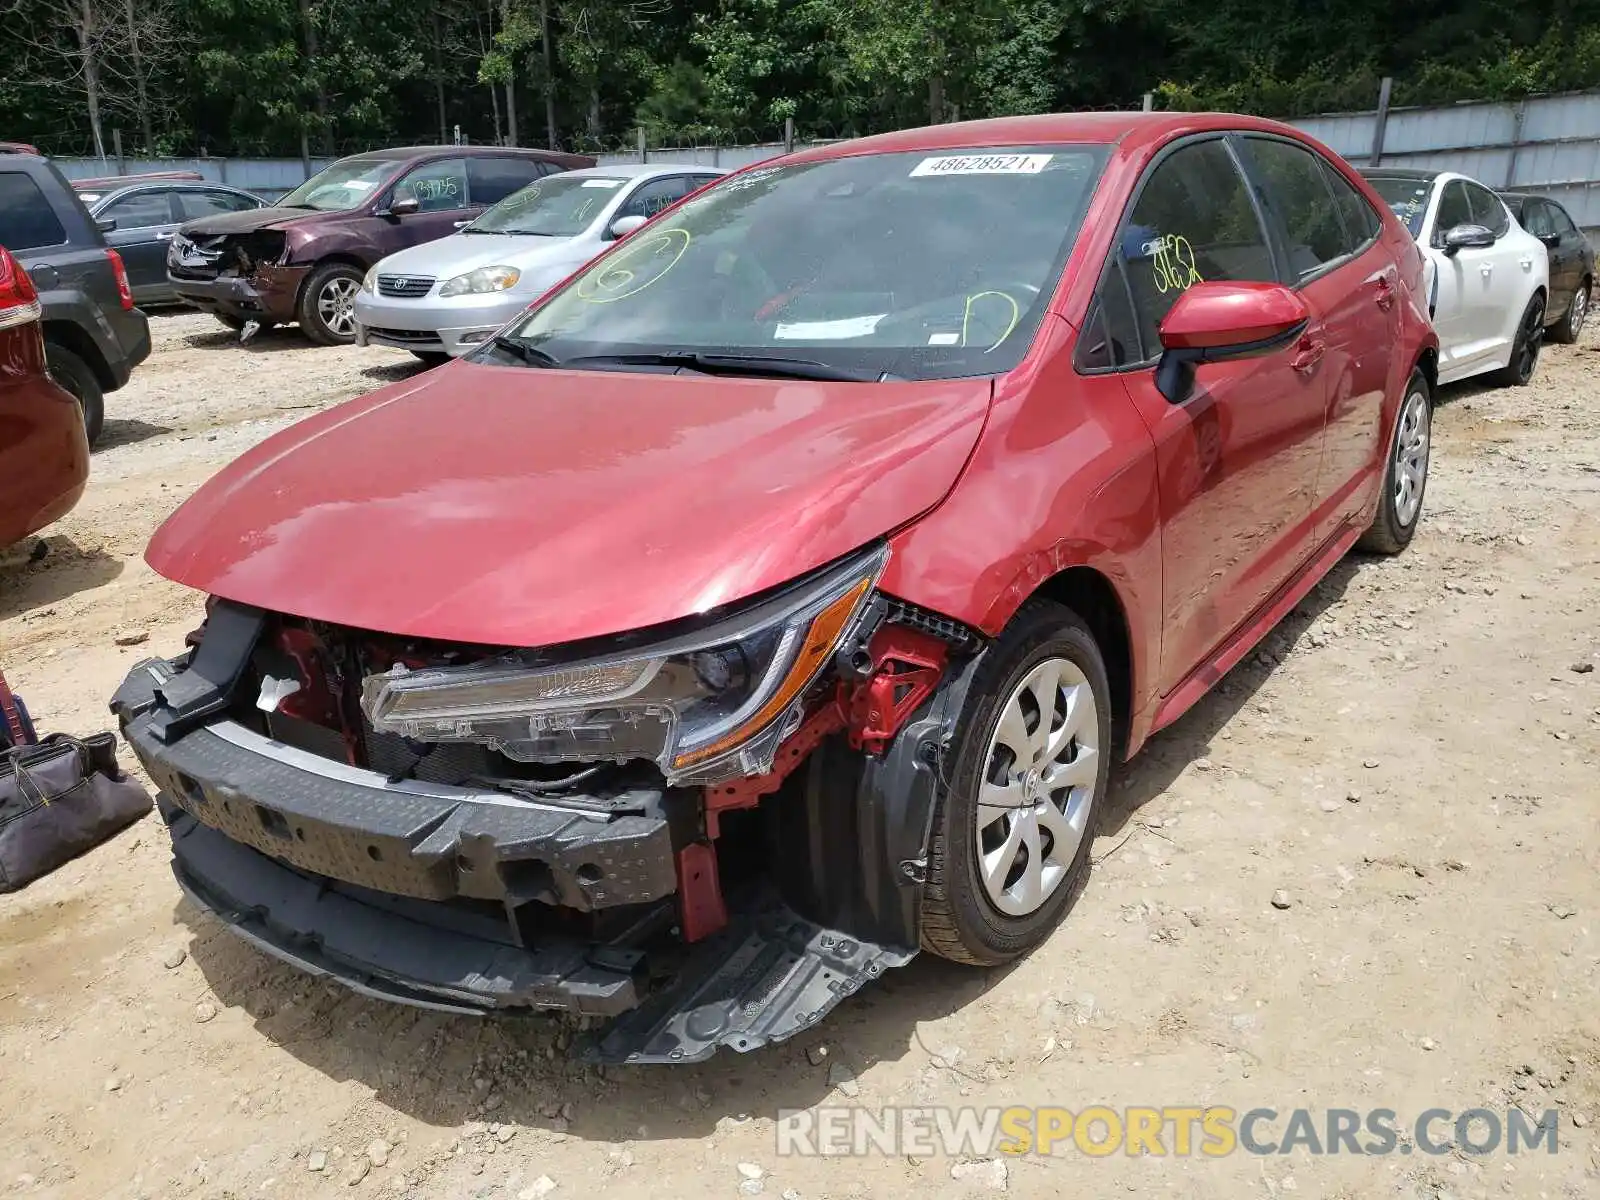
<point x="1043" y="129"/>
<point x="1421" y="176"/>
<point x="641" y="170"/>
<point x="401" y="153"/>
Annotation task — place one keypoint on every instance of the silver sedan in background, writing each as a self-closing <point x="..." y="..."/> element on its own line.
<point x="443" y="298"/>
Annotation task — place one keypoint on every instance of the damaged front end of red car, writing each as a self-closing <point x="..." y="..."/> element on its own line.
<point x="709" y="833"/>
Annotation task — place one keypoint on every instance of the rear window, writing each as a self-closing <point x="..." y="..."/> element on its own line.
<point x="1407" y="198"/>
<point x="26" y="218"/>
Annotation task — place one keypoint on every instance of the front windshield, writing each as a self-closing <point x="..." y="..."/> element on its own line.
<point x="344" y="185"/>
<point x="561" y="206"/>
<point x="919" y="265"/>
<point x="1406" y="196"/>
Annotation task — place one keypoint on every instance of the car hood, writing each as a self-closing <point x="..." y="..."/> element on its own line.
<point x="529" y="507"/>
<point x="252" y="219"/>
<point x="460" y="252"/>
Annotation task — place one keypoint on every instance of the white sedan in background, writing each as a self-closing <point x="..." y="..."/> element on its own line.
<point x="1488" y="278"/>
<point x="443" y="298"/>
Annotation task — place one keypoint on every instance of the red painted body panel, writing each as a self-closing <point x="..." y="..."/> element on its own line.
<point x="44" y="454"/>
<point x="504" y="505"/>
<point x="507" y="506"/>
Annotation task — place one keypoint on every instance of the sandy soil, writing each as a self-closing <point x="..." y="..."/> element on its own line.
<point x="1412" y="759"/>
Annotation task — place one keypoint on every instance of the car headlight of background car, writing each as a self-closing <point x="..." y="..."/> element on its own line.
<point x="369" y="282"/>
<point x="484" y="279"/>
<point x="705" y="706"/>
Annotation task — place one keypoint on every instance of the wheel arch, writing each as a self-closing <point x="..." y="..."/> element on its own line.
<point x="343" y="257"/>
<point x="69" y="335"/>
<point x="1093" y="597"/>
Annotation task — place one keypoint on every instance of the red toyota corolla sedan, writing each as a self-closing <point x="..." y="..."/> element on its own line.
<point x="771" y="600"/>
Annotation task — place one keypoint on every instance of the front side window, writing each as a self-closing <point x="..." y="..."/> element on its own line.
<point x="1559" y="220"/>
<point x="1298" y="190"/>
<point x="917" y="264"/>
<point x="563" y="205"/>
<point x="1193" y="222"/>
<point x="345" y="185"/>
<point x="1454" y="209"/>
<point x="1406" y="196"/>
<point x="436" y="186"/>
<point x="140" y="210"/>
<point x="654" y="196"/>
<point x="1488" y="209"/>
<point x="1536" y="218"/>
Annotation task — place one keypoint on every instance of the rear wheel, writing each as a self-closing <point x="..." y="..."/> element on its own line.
<point x="327" y="310"/>
<point x="1012" y="832"/>
<point x="1525" y="348"/>
<point x="72" y="373"/>
<point x="1570" y="326"/>
<point x="1406" y="477"/>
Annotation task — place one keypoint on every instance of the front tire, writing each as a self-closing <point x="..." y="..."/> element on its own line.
<point x="1031" y="757"/>
<point x="1405" y="479"/>
<point x="1525" y="347"/>
<point x="327" y="309"/>
<point x="1570" y="326"/>
<point x="72" y="373"/>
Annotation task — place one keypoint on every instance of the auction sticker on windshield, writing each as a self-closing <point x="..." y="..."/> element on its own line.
<point x="982" y="164"/>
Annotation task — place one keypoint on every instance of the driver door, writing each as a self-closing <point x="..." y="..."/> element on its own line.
<point x="441" y="192"/>
<point x="1464" y="313"/>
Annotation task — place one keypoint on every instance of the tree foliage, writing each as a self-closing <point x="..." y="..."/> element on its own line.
<point x="271" y="76"/>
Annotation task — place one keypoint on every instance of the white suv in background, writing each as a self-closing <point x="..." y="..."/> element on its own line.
<point x="1488" y="278"/>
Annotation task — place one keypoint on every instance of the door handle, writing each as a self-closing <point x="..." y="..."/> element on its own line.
<point x="163" y="237"/>
<point x="1527" y="263"/>
<point x="1308" y="353"/>
<point x="1385" y="293"/>
<point x="1488" y="268"/>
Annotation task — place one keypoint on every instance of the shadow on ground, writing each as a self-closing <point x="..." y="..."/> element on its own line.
<point x="395" y="371"/>
<point x="28" y="582"/>
<point x="266" y="341"/>
<point x="127" y="432"/>
<point x="446" y="1070"/>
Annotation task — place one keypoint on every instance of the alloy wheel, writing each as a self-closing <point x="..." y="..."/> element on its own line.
<point x="336" y="305"/>
<point x="1411" y="444"/>
<point x="1578" y="313"/>
<point x="1038" y="787"/>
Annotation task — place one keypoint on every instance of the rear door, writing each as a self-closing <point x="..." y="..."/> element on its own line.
<point x="1237" y="462"/>
<point x="146" y="220"/>
<point x="1503" y="271"/>
<point x="1329" y="235"/>
<point x="1575" y="249"/>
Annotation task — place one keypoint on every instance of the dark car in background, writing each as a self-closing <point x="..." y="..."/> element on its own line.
<point x="302" y="260"/>
<point x="44" y="455"/>
<point x="93" y="334"/>
<point x="140" y="219"/>
<point x="1571" y="260"/>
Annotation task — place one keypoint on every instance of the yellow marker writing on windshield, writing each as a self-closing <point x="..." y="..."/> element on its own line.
<point x="634" y="267"/>
<point x="966" y="315"/>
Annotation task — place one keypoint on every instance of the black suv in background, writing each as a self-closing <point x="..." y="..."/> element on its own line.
<point x="1571" y="261"/>
<point x="93" y="334"/>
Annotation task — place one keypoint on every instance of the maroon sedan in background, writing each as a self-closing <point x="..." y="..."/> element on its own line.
<point x="44" y="453"/>
<point x="302" y="259"/>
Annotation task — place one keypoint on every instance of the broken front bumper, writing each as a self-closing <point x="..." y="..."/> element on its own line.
<point x="431" y="895"/>
<point x="268" y="295"/>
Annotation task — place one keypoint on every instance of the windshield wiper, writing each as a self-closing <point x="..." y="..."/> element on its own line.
<point x="776" y="367"/>
<point x="531" y="355"/>
<point x="470" y="229"/>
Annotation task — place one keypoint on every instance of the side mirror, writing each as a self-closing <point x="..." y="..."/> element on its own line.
<point x="404" y="208"/>
<point x="1220" y="322"/>
<point x="623" y="226"/>
<point x="105" y="224"/>
<point x="1460" y="237"/>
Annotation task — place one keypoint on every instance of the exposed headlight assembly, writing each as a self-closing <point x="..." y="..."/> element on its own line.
<point x="706" y="706"/>
<point x="484" y="279"/>
<point x="369" y="281"/>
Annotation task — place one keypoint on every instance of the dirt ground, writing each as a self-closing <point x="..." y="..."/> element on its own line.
<point x="1412" y="759"/>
